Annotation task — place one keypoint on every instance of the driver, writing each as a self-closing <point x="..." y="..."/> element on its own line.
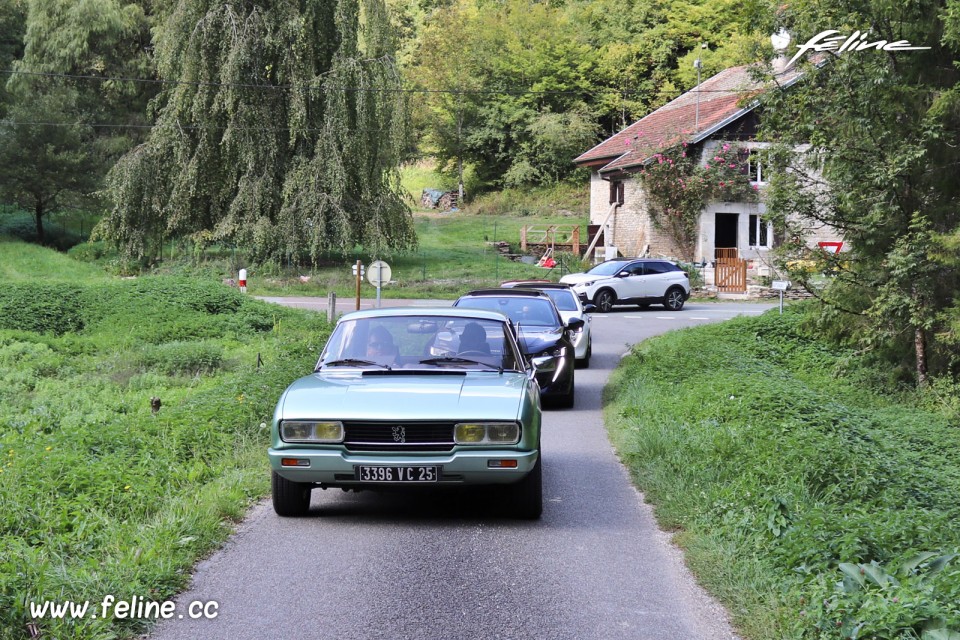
<point x="474" y="338"/>
<point x="380" y="346"/>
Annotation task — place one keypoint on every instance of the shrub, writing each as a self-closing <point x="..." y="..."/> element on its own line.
<point x="41" y="308"/>
<point x="183" y="357"/>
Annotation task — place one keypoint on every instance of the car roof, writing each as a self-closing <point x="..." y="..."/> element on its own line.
<point x="534" y="284"/>
<point x="636" y="260"/>
<point x="518" y="293"/>
<point x="439" y="312"/>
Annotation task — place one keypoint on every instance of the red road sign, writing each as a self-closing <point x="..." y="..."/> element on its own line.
<point x="831" y="247"/>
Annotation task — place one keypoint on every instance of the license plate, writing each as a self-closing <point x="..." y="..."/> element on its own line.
<point x="397" y="474"/>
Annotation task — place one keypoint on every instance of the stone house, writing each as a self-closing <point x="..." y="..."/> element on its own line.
<point x="721" y="110"/>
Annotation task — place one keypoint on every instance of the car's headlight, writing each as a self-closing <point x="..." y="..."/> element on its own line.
<point x="311" y="431"/>
<point x="486" y="433"/>
<point x="547" y="360"/>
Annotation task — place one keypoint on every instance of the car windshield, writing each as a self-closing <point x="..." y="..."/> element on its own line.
<point x="563" y="298"/>
<point x="525" y="312"/>
<point x="426" y="342"/>
<point x="607" y="268"/>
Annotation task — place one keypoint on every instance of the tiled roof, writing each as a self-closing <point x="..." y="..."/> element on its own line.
<point x="723" y="98"/>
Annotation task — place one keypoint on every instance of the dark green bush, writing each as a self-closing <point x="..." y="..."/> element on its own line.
<point x="42" y="307"/>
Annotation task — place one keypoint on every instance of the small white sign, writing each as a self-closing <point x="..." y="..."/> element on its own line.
<point x="780" y="285"/>
<point x="378" y="273"/>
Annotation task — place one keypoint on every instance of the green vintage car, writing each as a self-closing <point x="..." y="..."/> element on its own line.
<point x="412" y="398"/>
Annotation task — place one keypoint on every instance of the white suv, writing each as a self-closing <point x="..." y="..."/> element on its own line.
<point x="642" y="281"/>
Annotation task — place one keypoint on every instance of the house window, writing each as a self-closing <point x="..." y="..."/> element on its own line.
<point x="759" y="232"/>
<point x="616" y="191"/>
<point x="757" y="166"/>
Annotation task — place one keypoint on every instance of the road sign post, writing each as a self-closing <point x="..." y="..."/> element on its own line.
<point x="379" y="275"/>
<point x="358" y="274"/>
<point x="781" y="286"/>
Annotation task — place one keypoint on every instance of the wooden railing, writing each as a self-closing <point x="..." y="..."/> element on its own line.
<point x="562" y="237"/>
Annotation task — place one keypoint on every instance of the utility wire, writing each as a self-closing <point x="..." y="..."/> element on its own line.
<point x="326" y="89"/>
<point x="168" y="126"/>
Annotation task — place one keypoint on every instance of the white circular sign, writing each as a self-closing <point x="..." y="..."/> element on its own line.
<point x="378" y="273"/>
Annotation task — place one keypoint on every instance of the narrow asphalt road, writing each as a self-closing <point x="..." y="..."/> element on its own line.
<point x="448" y="565"/>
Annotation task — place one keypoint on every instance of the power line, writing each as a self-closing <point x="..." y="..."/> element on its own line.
<point x="178" y="127"/>
<point x="327" y="89"/>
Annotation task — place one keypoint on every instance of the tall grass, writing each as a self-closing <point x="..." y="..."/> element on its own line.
<point x="24" y="262"/>
<point x="100" y="494"/>
<point x="802" y="496"/>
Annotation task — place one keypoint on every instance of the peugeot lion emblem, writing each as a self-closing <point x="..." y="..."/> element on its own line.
<point x="399" y="434"/>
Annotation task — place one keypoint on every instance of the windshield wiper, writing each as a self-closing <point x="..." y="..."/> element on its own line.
<point x="459" y="360"/>
<point x="355" y="361"/>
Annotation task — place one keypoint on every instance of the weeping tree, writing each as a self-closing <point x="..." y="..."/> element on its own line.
<point x="280" y="128"/>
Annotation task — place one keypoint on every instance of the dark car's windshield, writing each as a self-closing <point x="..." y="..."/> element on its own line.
<point x="409" y="342"/>
<point x="607" y="268"/>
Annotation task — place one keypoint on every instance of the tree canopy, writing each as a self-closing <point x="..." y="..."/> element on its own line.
<point x="882" y="128"/>
<point x="501" y="78"/>
<point x="280" y="128"/>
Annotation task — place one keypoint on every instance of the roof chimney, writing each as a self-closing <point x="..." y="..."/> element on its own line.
<point x="780" y="41"/>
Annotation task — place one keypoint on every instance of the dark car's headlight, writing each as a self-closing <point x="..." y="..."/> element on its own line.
<point x="311" y="431"/>
<point x="486" y="433"/>
<point x="547" y="360"/>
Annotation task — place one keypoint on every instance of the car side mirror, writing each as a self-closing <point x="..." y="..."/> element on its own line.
<point x="589" y="308"/>
<point x="622" y="274"/>
<point x="575" y="324"/>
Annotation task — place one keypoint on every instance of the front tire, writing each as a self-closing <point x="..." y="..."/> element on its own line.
<point x="674" y="299"/>
<point x="290" y="499"/>
<point x="604" y="300"/>
<point x="566" y="400"/>
<point x="527" y="498"/>
<point x="585" y="362"/>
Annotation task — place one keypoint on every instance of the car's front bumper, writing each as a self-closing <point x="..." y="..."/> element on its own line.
<point x="335" y="466"/>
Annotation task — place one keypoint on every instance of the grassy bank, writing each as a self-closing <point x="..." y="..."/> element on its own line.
<point x="804" y="500"/>
<point x="100" y="494"/>
<point x="456" y="249"/>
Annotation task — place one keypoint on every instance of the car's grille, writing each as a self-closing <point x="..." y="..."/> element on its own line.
<point x="398" y="436"/>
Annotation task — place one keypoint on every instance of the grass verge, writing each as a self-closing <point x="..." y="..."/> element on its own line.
<point x="101" y="495"/>
<point x="812" y="507"/>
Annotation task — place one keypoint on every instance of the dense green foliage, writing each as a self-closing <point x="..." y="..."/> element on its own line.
<point x="882" y="129"/>
<point x="40" y="164"/>
<point x="785" y="471"/>
<point x="517" y="89"/>
<point x="99" y="495"/>
<point x="281" y="130"/>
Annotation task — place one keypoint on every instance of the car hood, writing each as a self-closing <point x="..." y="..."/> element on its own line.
<point x="407" y="396"/>
<point x="578" y="278"/>
<point x="533" y="340"/>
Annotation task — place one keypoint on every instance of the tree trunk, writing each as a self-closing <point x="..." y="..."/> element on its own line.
<point x="38" y="214"/>
<point x="920" y="345"/>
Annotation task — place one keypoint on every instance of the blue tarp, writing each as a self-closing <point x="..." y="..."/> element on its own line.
<point x="434" y="195"/>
